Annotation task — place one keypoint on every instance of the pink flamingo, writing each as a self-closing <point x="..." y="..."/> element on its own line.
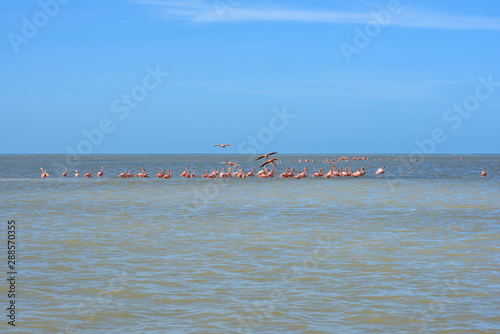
<point x="265" y="156"/>
<point x="329" y="175"/>
<point x="483" y="172"/>
<point x="65" y="172"/>
<point x="303" y="174"/>
<point x="124" y="174"/>
<point x="251" y="174"/>
<point x="263" y="175"/>
<point x="186" y="173"/>
<point x="76" y="173"/>
<point x="263" y="171"/>
<point x="226" y="175"/>
<point x="319" y="173"/>
<point x="285" y="174"/>
<point x="270" y="161"/>
<point x="89" y="174"/>
<point x="169" y="175"/>
<point x="101" y="173"/>
<point x="223" y="145"/>
<point x="161" y="174"/>
<point x="380" y="170"/>
<point x="44" y="173"/>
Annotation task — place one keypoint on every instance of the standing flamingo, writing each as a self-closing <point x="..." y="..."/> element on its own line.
<point x="285" y="174"/>
<point x="140" y="174"/>
<point x="101" y="173"/>
<point x="161" y="174"/>
<point x="89" y="174"/>
<point x="483" y="172"/>
<point x="380" y="170"/>
<point x="44" y="173"/>
<point x="319" y="173"/>
<point x="252" y="173"/>
<point x="65" y="172"/>
<point x="303" y="174"/>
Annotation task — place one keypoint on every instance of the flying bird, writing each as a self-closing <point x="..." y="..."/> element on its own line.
<point x="223" y="145"/>
<point x="269" y="162"/>
<point x="266" y="156"/>
<point x="230" y="163"/>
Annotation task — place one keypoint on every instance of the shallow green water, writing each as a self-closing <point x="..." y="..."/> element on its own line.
<point x="416" y="250"/>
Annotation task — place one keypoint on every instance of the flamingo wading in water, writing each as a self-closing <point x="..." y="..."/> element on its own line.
<point x="380" y="170"/>
<point x="44" y="173"/>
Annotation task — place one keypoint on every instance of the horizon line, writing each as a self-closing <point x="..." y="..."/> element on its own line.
<point x="240" y="154"/>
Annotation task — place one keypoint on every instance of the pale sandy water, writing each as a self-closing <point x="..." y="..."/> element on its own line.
<point x="416" y="250"/>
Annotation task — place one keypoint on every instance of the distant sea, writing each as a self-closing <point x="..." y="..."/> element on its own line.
<point x="415" y="250"/>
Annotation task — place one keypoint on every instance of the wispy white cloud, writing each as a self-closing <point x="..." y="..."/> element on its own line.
<point x="199" y="11"/>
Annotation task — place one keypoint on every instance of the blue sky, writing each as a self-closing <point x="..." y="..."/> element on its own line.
<point x="162" y="76"/>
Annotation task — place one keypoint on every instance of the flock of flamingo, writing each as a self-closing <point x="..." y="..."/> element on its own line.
<point x="263" y="173"/>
